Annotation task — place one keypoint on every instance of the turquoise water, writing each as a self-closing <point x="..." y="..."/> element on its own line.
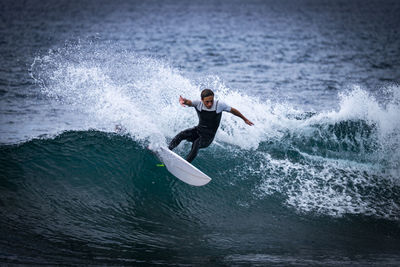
<point x="314" y="182"/>
<point x="99" y="198"/>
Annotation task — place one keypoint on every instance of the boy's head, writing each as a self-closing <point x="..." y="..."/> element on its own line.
<point x="207" y="97"/>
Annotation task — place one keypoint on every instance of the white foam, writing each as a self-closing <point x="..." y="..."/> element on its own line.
<point x="382" y="115"/>
<point x="330" y="187"/>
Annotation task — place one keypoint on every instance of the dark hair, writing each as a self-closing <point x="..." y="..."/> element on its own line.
<point x="206" y="92"/>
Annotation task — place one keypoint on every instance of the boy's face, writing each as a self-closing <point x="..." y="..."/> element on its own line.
<point x="208" y="101"/>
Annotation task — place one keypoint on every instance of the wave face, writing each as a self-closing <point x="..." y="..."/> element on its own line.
<point x="102" y="195"/>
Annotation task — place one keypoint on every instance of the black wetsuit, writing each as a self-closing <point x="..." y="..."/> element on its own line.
<point x="202" y="135"/>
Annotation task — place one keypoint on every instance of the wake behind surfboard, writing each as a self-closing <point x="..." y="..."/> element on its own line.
<point x="180" y="168"/>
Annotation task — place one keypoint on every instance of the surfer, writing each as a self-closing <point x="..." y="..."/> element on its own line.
<point x="209" y="113"/>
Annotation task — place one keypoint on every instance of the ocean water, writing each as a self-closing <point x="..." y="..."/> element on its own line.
<point x="315" y="181"/>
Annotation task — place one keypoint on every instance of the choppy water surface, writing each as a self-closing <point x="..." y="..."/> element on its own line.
<point x="314" y="182"/>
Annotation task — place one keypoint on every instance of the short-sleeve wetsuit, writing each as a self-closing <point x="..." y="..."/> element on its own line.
<point x="203" y="134"/>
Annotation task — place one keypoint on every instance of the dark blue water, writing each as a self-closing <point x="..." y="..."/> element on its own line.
<point x="316" y="180"/>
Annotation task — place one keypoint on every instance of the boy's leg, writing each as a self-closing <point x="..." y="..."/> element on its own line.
<point x="200" y="142"/>
<point x="188" y="134"/>
<point x="195" y="149"/>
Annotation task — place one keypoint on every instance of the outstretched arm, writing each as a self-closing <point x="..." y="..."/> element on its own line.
<point x="183" y="101"/>
<point x="240" y="115"/>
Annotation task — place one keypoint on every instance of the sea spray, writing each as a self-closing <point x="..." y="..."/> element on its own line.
<point x="140" y="94"/>
<point x="114" y="89"/>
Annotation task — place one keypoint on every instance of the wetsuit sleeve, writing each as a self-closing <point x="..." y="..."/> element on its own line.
<point x="196" y="104"/>
<point x="222" y="106"/>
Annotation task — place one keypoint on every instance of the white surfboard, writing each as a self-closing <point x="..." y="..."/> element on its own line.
<point x="182" y="169"/>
